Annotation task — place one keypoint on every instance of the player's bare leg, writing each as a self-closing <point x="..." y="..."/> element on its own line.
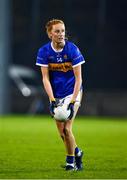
<point x="69" y="137"/>
<point x="65" y="131"/>
<point x="60" y="126"/>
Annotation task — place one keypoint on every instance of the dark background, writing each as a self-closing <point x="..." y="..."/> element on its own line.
<point x="97" y="27"/>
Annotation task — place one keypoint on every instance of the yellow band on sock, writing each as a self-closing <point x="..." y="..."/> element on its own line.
<point x="70" y="155"/>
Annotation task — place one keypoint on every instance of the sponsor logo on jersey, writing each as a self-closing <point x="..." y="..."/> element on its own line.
<point x="67" y="66"/>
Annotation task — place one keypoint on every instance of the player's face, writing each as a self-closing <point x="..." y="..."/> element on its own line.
<point x="57" y="34"/>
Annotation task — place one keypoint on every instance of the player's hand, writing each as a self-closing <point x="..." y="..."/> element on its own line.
<point x="71" y="107"/>
<point x="52" y="106"/>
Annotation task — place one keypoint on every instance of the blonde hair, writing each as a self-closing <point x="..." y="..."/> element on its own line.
<point x="52" y="22"/>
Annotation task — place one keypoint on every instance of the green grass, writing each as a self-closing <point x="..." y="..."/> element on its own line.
<point x="30" y="148"/>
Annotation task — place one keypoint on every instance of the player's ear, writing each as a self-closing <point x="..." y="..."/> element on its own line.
<point x="49" y="35"/>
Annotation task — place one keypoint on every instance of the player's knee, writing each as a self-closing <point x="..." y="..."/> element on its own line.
<point x="67" y="131"/>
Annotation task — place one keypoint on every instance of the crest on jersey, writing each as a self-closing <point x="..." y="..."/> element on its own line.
<point x="65" y="56"/>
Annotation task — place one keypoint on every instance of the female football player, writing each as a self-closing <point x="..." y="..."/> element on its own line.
<point x="60" y="62"/>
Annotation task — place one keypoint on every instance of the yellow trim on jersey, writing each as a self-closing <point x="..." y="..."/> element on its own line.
<point x="67" y="66"/>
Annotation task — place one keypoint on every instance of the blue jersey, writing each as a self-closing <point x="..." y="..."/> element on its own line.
<point x="60" y="65"/>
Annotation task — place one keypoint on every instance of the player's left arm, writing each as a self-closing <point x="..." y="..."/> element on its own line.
<point x="78" y="82"/>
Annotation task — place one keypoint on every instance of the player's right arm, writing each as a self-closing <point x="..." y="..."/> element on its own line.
<point x="46" y="83"/>
<point x="43" y="62"/>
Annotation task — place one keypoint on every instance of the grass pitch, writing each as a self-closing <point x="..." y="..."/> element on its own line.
<point x="30" y="148"/>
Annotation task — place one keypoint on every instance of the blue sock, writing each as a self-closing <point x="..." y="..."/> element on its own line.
<point x="70" y="160"/>
<point x="77" y="151"/>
